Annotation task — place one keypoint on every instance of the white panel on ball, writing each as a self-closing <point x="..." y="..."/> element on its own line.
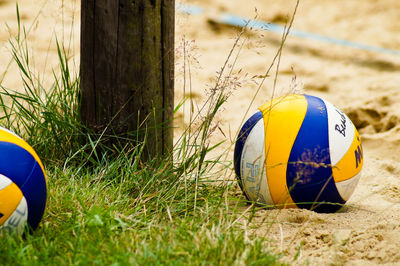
<point x="253" y="166"/>
<point x="341" y="133"/>
<point x="4" y="182"/>
<point x="347" y="187"/>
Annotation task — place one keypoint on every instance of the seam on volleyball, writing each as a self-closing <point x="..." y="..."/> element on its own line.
<point x="30" y="174"/>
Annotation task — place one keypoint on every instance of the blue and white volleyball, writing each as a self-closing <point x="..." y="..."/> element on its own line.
<point x="23" y="189"/>
<point x="299" y="151"/>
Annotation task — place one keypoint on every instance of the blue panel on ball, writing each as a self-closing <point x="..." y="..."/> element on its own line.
<point x="21" y="167"/>
<point x="35" y="193"/>
<point x="241" y="140"/>
<point x="309" y="172"/>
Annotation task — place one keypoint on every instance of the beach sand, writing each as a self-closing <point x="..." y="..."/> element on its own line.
<point x="364" y="84"/>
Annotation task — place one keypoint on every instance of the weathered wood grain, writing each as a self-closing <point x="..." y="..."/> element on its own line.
<point x="127" y="68"/>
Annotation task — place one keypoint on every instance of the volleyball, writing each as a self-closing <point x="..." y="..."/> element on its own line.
<point x="23" y="189"/>
<point x="298" y="151"/>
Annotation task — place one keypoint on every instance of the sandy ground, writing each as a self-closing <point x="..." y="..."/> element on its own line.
<point x="364" y="84"/>
<point x="42" y="21"/>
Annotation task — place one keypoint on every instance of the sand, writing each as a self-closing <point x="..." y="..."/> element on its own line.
<point x="364" y="84"/>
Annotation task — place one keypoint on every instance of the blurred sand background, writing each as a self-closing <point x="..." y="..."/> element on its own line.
<point x="366" y="85"/>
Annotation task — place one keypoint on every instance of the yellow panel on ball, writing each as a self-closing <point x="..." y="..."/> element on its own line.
<point x="282" y="121"/>
<point x="351" y="163"/>
<point x="10" y="197"/>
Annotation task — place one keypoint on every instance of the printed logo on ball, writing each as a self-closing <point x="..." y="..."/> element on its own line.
<point x="17" y="221"/>
<point x="253" y="173"/>
<point x="341" y="133"/>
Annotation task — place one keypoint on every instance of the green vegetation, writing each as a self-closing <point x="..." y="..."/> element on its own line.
<point x="106" y="205"/>
<point x="94" y="219"/>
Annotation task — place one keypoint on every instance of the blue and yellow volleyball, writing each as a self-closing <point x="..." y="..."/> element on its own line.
<point x="299" y="151"/>
<point x="23" y="189"/>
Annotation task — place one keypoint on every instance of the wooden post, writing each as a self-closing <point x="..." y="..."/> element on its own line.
<point x="127" y="69"/>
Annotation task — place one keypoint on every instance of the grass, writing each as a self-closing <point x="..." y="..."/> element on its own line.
<point x="119" y="210"/>
<point x="100" y="222"/>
